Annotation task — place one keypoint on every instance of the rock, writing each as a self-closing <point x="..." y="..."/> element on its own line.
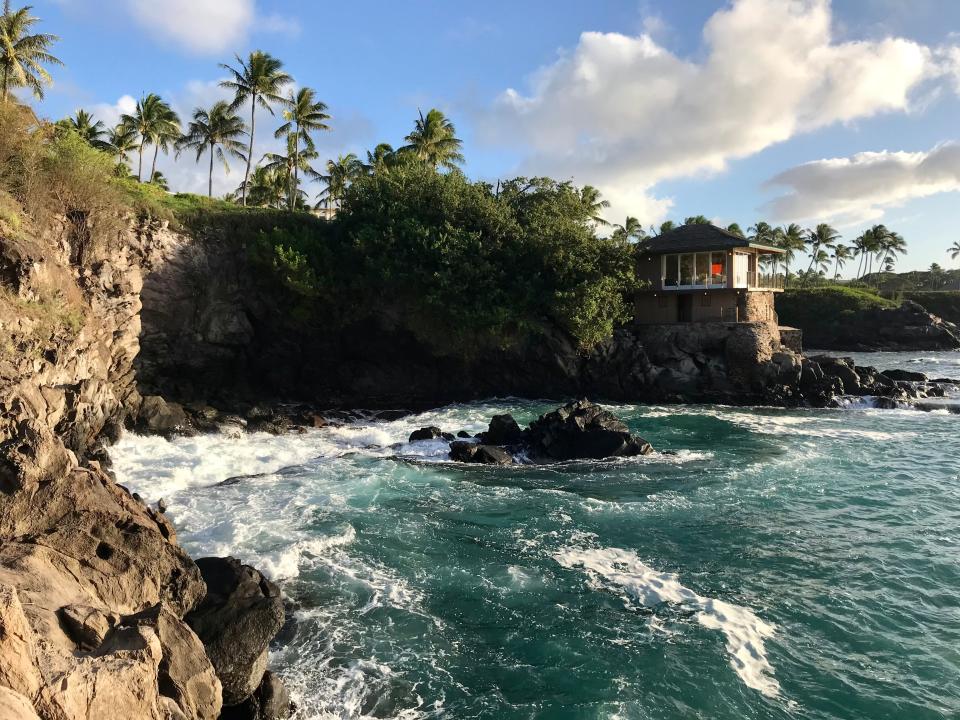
<point x="426" y="433"/>
<point x="583" y="430"/>
<point x="161" y="505"/>
<point x="14" y="706"/>
<point x="270" y="701"/>
<point x="468" y="452"/>
<point x="463" y="434"/>
<point x="503" y="430"/>
<point x="87" y="625"/>
<point x="240" y="615"/>
<point x="841" y="368"/>
<point x="904" y="376"/>
<point x="318" y="421"/>
<point x="159" y="416"/>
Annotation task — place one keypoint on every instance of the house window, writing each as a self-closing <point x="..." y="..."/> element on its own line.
<point x="703" y="269"/>
<point x="687" y="269"/>
<point x="671" y="271"/>
<point x="718" y="268"/>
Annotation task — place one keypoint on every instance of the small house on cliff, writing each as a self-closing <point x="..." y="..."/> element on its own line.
<point x="702" y="273"/>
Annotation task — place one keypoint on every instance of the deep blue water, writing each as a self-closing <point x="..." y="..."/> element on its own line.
<point x="782" y="564"/>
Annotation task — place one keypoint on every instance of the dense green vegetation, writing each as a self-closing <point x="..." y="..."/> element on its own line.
<point x="826" y="306"/>
<point x="942" y="303"/>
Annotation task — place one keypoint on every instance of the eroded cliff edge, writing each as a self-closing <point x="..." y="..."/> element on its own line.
<point x="95" y="592"/>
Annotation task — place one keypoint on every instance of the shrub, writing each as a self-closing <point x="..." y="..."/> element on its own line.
<point x="825" y="306"/>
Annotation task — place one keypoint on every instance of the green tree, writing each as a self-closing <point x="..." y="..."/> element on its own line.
<point x="260" y="79"/>
<point x="23" y="55"/>
<point x="666" y="226"/>
<point x="304" y="115"/>
<point x="818" y="240"/>
<point x="88" y="128"/>
<point x="294" y="162"/>
<point x="594" y="204"/>
<point x="630" y="230"/>
<point x="154" y="121"/>
<point x="121" y="141"/>
<point x="380" y="159"/>
<point x="697" y="220"/>
<point x="735" y="229"/>
<point x="841" y="253"/>
<point x="160" y="180"/>
<point x="340" y="174"/>
<point x="216" y="131"/>
<point x="434" y="141"/>
<point x="266" y="188"/>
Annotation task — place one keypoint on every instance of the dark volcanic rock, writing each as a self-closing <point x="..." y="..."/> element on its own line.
<point x="583" y="430"/>
<point x="468" y="452"/>
<point x="270" y="701"/>
<point x="240" y="615"/>
<point x="904" y="376"/>
<point x="503" y="430"/>
<point x="841" y="368"/>
<point x="427" y="433"/>
<point x="158" y="416"/>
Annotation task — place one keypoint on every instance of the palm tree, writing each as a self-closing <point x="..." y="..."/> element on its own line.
<point x="215" y="131"/>
<point x="593" y="204"/>
<point x="154" y="121"/>
<point x="954" y="250"/>
<point x="260" y="80"/>
<point x="666" y="226"/>
<point x="382" y="158"/>
<point x="266" y="188"/>
<point x="340" y="173"/>
<point x="304" y="115"/>
<point x="697" y="220"/>
<point x="88" y="128"/>
<point x="159" y="180"/>
<point x="22" y="55"/>
<point x="631" y="229"/>
<point x="841" y="253"/>
<point x="821" y="258"/>
<point x="891" y="245"/>
<point x="762" y="233"/>
<point x="121" y="141"/>
<point x="792" y="240"/>
<point x="735" y="229"/>
<point x="823" y="236"/>
<point x="434" y="141"/>
<point x="291" y="164"/>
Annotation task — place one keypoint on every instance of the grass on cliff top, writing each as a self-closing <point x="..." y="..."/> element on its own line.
<point x="806" y="307"/>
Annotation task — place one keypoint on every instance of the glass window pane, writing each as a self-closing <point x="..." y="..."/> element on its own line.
<point x="686" y="269"/>
<point x="671" y="277"/>
<point x="718" y="268"/>
<point x="703" y="269"/>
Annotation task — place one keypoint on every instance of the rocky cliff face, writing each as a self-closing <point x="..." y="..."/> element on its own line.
<point x="93" y="586"/>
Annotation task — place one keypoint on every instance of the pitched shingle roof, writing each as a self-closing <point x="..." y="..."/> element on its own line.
<point x="690" y="238"/>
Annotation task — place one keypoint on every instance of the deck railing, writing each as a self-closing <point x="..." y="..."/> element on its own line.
<point x="765" y="281"/>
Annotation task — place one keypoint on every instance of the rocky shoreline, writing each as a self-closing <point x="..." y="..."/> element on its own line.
<point x="102" y="614"/>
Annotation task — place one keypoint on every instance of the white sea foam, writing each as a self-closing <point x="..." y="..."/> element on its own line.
<point x="744" y="631"/>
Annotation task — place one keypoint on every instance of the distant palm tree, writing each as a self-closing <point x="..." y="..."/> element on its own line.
<point x="22" y="56"/>
<point x="630" y="230"/>
<point x="88" y="128"/>
<point x="154" y="121"/>
<point x="294" y="162"/>
<point x="340" y="173"/>
<point x="121" y="141"/>
<point x="434" y="141"/>
<point x="381" y="158"/>
<point x="304" y="115"/>
<point x="216" y="131"/>
<point x="821" y="237"/>
<point x="821" y="259"/>
<point x="735" y="229"/>
<point x="260" y="79"/>
<point x="593" y="204"/>
<point x="891" y="245"/>
<point x="697" y="220"/>
<point x="666" y="226"/>
<point x="954" y="250"/>
<point x="792" y="239"/>
<point x="266" y="188"/>
<point x="159" y="180"/>
<point x="762" y="233"/>
<point x="841" y="253"/>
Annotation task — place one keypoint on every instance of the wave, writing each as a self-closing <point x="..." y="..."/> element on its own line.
<point x="745" y="632"/>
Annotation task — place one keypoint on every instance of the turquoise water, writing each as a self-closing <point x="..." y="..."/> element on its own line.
<point x="782" y="564"/>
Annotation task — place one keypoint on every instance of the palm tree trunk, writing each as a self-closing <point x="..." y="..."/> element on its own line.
<point x="296" y="168"/>
<point x="153" y="166"/>
<point x="140" y="165"/>
<point x="253" y="127"/>
<point x="6" y="83"/>
<point x="213" y="146"/>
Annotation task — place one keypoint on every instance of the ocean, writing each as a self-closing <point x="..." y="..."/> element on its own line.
<point x="763" y="563"/>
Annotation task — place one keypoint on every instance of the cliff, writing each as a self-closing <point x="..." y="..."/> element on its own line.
<point x="95" y="593"/>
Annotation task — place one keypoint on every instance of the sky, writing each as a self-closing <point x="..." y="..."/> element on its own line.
<point x="806" y="111"/>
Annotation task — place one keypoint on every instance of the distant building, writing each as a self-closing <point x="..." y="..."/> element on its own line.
<point x="701" y="273"/>
<point x="326" y="212"/>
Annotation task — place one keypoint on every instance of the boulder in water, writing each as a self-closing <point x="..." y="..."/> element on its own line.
<point x="468" y="452"/>
<point x="426" y="433"/>
<point x="583" y="430"/>
<point x="240" y="615"/>
<point x="270" y="701"/>
<point x="905" y="376"/>
<point x="503" y="430"/>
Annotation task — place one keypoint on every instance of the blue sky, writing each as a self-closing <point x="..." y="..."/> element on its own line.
<point x="670" y="108"/>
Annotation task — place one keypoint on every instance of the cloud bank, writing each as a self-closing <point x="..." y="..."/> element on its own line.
<point x="857" y="189"/>
<point x="624" y="113"/>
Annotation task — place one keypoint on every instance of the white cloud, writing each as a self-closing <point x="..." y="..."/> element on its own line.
<point x="109" y="113"/>
<point x="857" y="189"/>
<point x="205" y="26"/>
<point x="624" y="113"/>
